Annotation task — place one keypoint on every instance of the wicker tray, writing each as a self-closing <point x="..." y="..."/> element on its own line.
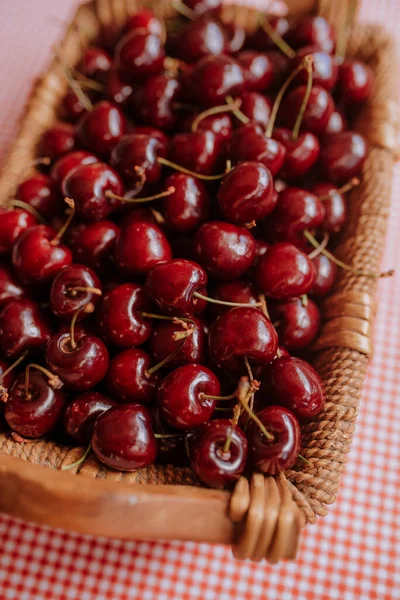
<point x="262" y="518"/>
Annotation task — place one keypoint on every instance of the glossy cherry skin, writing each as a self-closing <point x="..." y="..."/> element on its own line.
<point x="280" y="453"/>
<point x="180" y="397"/>
<point x="298" y="324"/>
<point x="94" y="245"/>
<point x="139" y="53"/>
<point x="256" y="107"/>
<point x="123" y="438"/>
<point x="312" y="30"/>
<point x="211" y="464"/>
<point x="101" y="129"/>
<point x="247" y="193"/>
<point x="64" y="165"/>
<point x="10" y="288"/>
<point x="198" y="152"/>
<point x="324" y="68"/>
<point x="118" y="91"/>
<point x="240" y="333"/>
<point x="191" y="349"/>
<point x="301" y="154"/>
<point x="79" y="368"/>
<point x="13" y="223"/>
<point x="95" y="63"/>
<point x="248" y="143"/>
<point x="319" y="108"/>
<point x="337" y="123"/>
<point x="40" y="192"/>
<point x="120" y="322"/>
<point x="356" y="80"/>
<point x="58" y="140"/>
<point x="188" y="206"/>
<point x="145" y="19"/>
<point x="258" y="70"/>
<point x="81" y="414"/>
<point x="171" y="286"/>
<point x="64" y="300"/>
<point x="215" y="77"/>
<point x="88" y="185"/>
<point x="153" y="102"/>
<point x="343" y="155"/>
<point x="325" y="276"/>
<point x="334" y="204"/>
<point x="154" y="133"/>
<point x="35" y="259"/>
<point x="284" y="272"/>
<point x="220" y="125"/>
<point x="22" y="327"/>
<point x="128" y="380"/>
<point x="295" y="384"/>
<point x="281" y="67"/>
<point x="297" y="210"/>
<point x="203" y="6"/>
<point x="73" y="108"/>
<point x="241" y="291"/>
<point x="226" y="251"/>
<point x="37" y="415"/>
<point x="201" y="37"/>
<point x="138" y="150"/>
<point x="261" y="40"/>
<point x="140" y="246"/>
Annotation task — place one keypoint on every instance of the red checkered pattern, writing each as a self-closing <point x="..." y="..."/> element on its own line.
<point x="353" y="554"/>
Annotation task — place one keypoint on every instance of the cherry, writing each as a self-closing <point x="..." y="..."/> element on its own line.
<point x="240" y="291"/>
<point x="140" y="246"/>
<point x="188" y="206"/>
<point x="74" y="287"/>
<point x="343" y="155"/>
<point x="173" y="285"/>
<point x="325" y="275"/>
<point x="295" y="384"/>
<point x="88" y="184"/>
<point x="337" y="123"/>
<point x="324" y="67"/>
<point x="13" y="223"/>
<point x="219" y="124"/>
<point x="215" y="77"/>
<point x="312" y="30"/>
<point x="236" y="37"/>
<point x="58" y="139"/>
<point x="7" y="378"/>
<point x="153" y="102"/>
<point x="40" y="192"/>
<point x="256" y="107"/>
<point x="280" y="66"/>
<point x="10" y="288"/>
<point x="199" y="7"/>
<point x="33" y="410"/>
<point x="226" y="251"/>
<point x="356" y="80"/>
<point x="197" y="151"/>
<point x="80" y="360"/>
<point x="135" y="157"/>
<point x="334" y="204"/>
<point x="247" y="193"/>
<point x="199" y="38"/>
<point x="298" y="323"/>
<point x="182" y="397"/>
<point x="179" y="345"/>
<point x="100" y="129"/>
<point x="73" y="107"/>
<point x="258" y="70"/>
<point x="319" y="108"/>
<point x="120" y="321"/>
<point x="242" y="333"/>
<point x="145" y="19"/>
<point x="284" y="272"/>
<point x="278" y="454"/>
<point x="118" y="91"/>
<point x="212" y="464"/>
<point x="301" y="153"/>
<point x="128" y="379"/>
<point x="154" y="133"/>
<point x="261" y="248"/>
<point x="139" y="53"/>
<point x="96" y="63"/>
<point x="249" y="143"/>
<point x="94" y="245"/>
<point x="22" y="327"/>
<point x="64" y="165"/>
<point x="81" y="414"/>
<point x="262" y="41"/>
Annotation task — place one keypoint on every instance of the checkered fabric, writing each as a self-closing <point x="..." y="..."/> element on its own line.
<point x="353" y="554"/>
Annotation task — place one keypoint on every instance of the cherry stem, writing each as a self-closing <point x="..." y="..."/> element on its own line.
<point x="86" y="81"/>
<point x="74" y="85"/>
<point x="54" y="381"/>
<point x="25" y="206"/>
<point x="72" y="327"/>
<point x="263" y="304"/>
<point x="321" y="247"/>
<point x="276" y="38"/>
<point x="280" y="94"/>
<point x="56" y="240"/>
<point x="80" y="460"/>
<point x="184" y="10"/>
<point x="230" y="106"/>
<point x="301" y="457"/>
<point x="236" y="110"/>
<point x="162" y="436"/>
<point x="342" y="190"/>
<point x="234" y="422"/>
<point x="308" y="60"/>
<point x="13" y="366"/>
<point x="158" y="216"/>
<point x="81" y="288"/>
<point x="248" y="368"/>
<point x="188" y="332"/>
<point x="343" y="265"/>
<point x="172" y="165"/>
<point x="343" y="36"/>
<point x="141" y="174"/>
<point x="226" y="303"/>
<point x="164" y="318"/>
<point x="210" y="397"/>
<point x="41" y="160"/>
<point x="244" y="400"/>
<point x="167" y="192"/>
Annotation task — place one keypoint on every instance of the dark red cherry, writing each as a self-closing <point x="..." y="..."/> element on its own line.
<point x="319" y="108"/>
<point x="203" y="6"/>
<point x="312" y="30"/>
<point x="5" y="381"/>
<point x="128" y="379"/>
<point x="334" y="204"/>
<point x="140" y="246"/>
<point x="58" y="139"/>
<point x="165" y="341"/>
<point x="40" y="192"/>
<point x="220" y="125"/>
<point x="135" y="158"/>
<point x="240" y="291"/>
<point x="215" y="77"/>
<point x="154" y="100"/>
<point x="36" y="259"/>
<point x="324" y="67"/>
<point x="198" y="152"/>
<point x="22" y="327"/>
<point x="247" y="193"/>
<point x="80" y="363"/>
<point x="325" y="275"/>
<point x="123" y="438"/>
<point x="95" y="63"/>
<point x="284" y="272"/>
<point x="139" y="53"/>
<point x="242" y="333"/>
<point x="280" y="453"/>
<point x="261" y="40"/>
<point x="211" y="463"/>
<point x="37" y="414"/>
<point x="337" y="123"/>
<point x="226" y="251"/>
<point x="64" y="165"/>
<point x="181" y="396"/>
<point x="298" y="323"/>
<point x="188" y="206"/>
<point x="356" y="80"/>
<point x="295" y="384"/>
<point x="236" y="36"/>
<point x="10" y="288"/>
<point x="248" y="143"/>
<point x="261" y="248"/>
<point x="88" y="186"/>
<point x="343" y="155"/>
<point x="72" y="106"/>
<point x="154" y="133"/>
<point x="301" y="153"/>
<point x="258" y="70"/>
<point x="139" y="214"/>
<point x="94" y="245"/>
<point x="202" y="37"/>
<point x="117" y="90"/>
<point x="101" y="129"/>
<point x="13" y="223"/>
<point x="172" y="286"/>
<point x="256" y="107"/>
<point x="280" y="66"/>
<point x="68" y="293"/>
<point x="119" y="318"/>
<point x="147" y="20"/>
<point x="81" y="414"/>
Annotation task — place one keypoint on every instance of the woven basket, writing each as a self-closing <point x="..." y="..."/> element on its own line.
<point x="263" y="517"/>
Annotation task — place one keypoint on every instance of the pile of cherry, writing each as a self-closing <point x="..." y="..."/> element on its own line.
<point x="160" y="269"/>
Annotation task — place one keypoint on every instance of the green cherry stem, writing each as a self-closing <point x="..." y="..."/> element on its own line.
<point x="276" y="38"/>
<point x="170" y="190"/>
<point x="78" y="462"/>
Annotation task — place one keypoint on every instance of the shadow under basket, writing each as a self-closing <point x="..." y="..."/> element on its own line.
<point x="263" y="517"/>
